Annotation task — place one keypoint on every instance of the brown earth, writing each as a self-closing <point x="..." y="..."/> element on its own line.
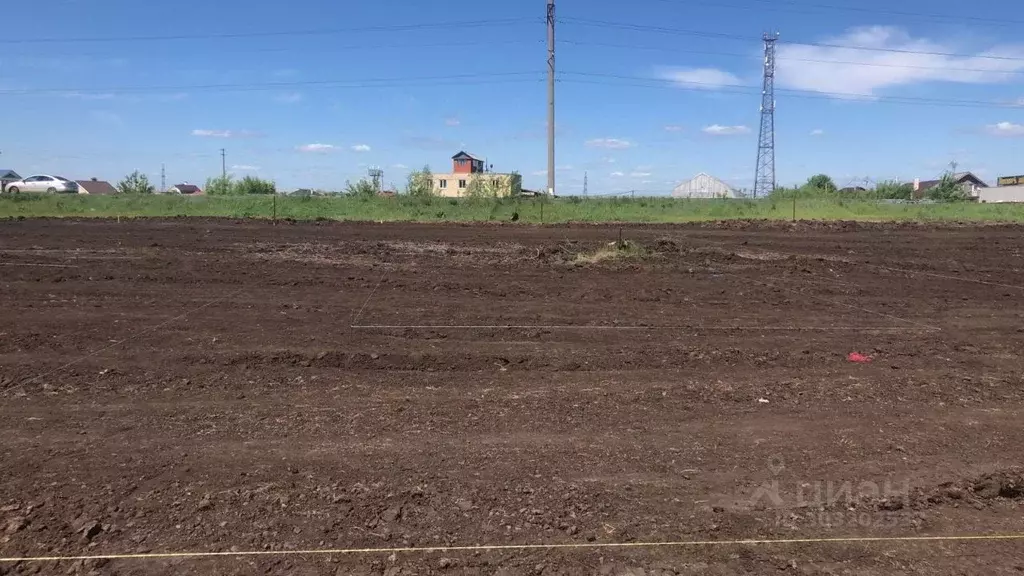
<point x="212" y="385"/>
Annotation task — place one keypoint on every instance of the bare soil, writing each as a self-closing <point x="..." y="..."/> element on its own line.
<point x="217" y="385"/>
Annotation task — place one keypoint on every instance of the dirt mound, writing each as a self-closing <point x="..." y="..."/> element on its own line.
<point x="1001" y="485"/>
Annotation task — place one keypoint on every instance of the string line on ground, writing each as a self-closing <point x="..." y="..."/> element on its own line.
<point x="598" y="327"/>
<point x="514" y="547"/>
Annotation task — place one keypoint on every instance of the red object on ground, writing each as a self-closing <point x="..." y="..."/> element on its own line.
<point x="858" y="357"/>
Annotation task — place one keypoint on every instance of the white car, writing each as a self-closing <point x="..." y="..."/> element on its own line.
<point x="43" y="183"/>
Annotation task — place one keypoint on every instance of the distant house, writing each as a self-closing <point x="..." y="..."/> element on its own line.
<point x="95" y="187"/>
<point x="852" y="190"/>
<point x="6" y="177"/>
<point x="704" y="186"/>
<point x="968" y="182"/>
<point x="467" y="168"/>
<point x="185" y="190"/>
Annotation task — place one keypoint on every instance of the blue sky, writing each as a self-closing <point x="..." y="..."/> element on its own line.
<point x="311" y="93"/>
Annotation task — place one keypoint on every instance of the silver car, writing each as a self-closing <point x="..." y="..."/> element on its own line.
<point x="43" y="183"/>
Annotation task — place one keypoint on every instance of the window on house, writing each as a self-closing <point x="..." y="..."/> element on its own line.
<point x="462" y="183"/>
<point x="443" y="184"/>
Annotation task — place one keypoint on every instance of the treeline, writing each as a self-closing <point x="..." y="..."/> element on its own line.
<point x="137" y="183"/>
<point x="822" y="186"/>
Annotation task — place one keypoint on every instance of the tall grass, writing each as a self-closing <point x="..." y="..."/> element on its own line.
<point x="525" y="210"/>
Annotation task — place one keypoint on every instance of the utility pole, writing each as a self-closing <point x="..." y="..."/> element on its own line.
<point x="584" y="184"/>
<point x="163" y="179"/>
<point x="551" y="97"/>
<point x="764" y="179"/>
<point x="223" y="164"/>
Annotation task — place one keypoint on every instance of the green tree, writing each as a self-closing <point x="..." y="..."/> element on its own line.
<point x="362" y="188"/>
<point x="220" y="186"/>
<point x="822" y="182"/>
<point x="480" y="187"/>
<point x="517" y="184"/>
<point x="893" y="190"/>
<point x="420" y="183"/>
<point x="254" y="185"/>
<point x="135" y="183"/>
<point x="947" y="190"/>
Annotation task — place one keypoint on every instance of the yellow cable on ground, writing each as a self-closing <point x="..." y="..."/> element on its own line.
<point x="505" y="547"/>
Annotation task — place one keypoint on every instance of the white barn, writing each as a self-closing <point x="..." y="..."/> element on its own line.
<point x="703" y="186"/>
<point x="1001" y="194"/>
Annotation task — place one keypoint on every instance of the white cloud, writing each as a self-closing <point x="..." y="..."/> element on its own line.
<point x="608" y="160"/>
<point x="399" y="166"/>
<point x="817" y="132"/>
<point x="539" y="173"/>
<point x="290" y="98"/>
<point x="719" y="130"/>
<point x="1005" y="129"/>
<point x="702" y="78"/>
<point x="224" y="133"/>
<point x="617" y="174"/>
<point x="610" y="143"/>
<point x="452" y="122"/>
<point x="850" y="73"/>
<point x="317" y="148"/>
<point x="245" y="168"/>
<point x="673" y="128"/>
<point x="360" y="148"/>
<point x="640" y="175"/>
<point x="212" y="133"/>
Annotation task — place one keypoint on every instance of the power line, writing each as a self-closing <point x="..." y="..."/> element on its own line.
<point x="780" y="58"/>
<point x="660" y="29"/>
<point x="803" y="7"/>
<point x="461" y="79"/>
<point x="729" y="36"/>
<point x="302" y="48"/>
<point x="272" y="33"/>
<point x="641" y="82"/>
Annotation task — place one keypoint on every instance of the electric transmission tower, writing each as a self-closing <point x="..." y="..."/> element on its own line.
<point x="764" y="180"/>
<point x="377" y="178"/>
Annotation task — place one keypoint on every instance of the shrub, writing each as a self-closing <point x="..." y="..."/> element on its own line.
<point x="821" y="182"/>
<point x="892" y="190"/>
<point x="220" y="186"/>
<point x="135" y="183"/>
<point x="363" y="188"/>
<point x="254" y="185"/>
<point x="420" y="183"/>
<point x="947" y="191"/>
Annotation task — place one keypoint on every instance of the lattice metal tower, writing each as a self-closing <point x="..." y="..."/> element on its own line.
<point x="376" y="177"/>
<point x="764" y="180"/>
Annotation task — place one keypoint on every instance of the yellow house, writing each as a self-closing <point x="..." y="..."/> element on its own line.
<point x="469" y="178"/>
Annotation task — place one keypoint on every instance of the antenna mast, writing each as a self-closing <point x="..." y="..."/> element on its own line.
<point x="764" y="180"/>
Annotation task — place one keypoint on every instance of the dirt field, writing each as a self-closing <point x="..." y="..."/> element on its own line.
<point x="221" y="386"/>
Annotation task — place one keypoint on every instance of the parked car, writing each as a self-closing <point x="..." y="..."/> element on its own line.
<point x="43" y="183"/>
